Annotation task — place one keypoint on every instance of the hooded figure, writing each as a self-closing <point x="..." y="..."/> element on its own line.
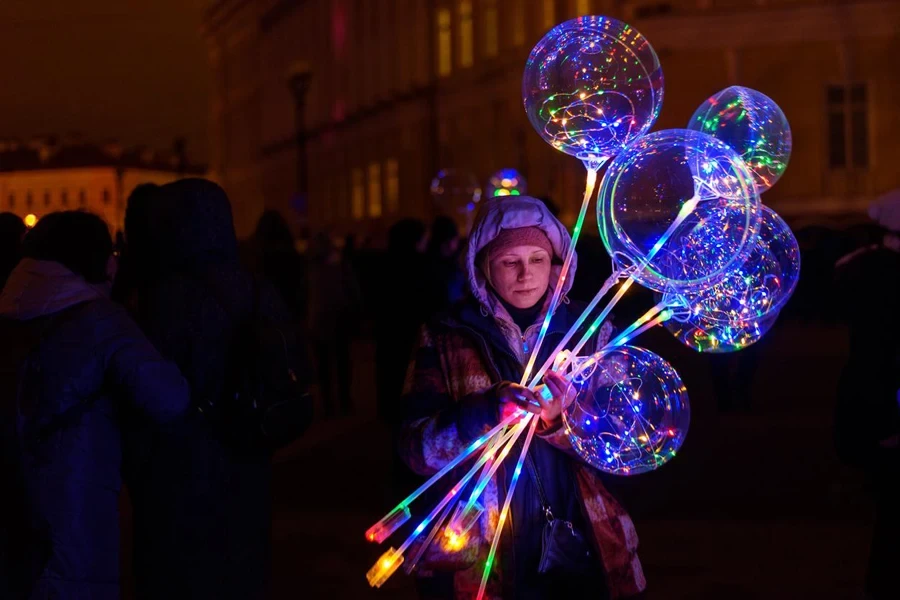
<point x="867" y="418"/>
<point x="461" y="382"/>
<point x="74" y="369"/>
<point x="202" y="512"/>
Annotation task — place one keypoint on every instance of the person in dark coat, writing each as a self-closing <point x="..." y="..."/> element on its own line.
<point x="12" y="230"/>
<point x="443" y="274"/>
<point x="136" y="210"/>
<point x="334" y="314"/>
<point x="277" y="259"/>
<point x="398" y="311"/>
<point x="867" y="419"/>
<point x="73" y="368"/>
<point x="202" y="512"/>
<point x="463" y="379"/>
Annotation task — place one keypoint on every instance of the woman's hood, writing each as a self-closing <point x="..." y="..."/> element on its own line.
<point x="513" y="212"/>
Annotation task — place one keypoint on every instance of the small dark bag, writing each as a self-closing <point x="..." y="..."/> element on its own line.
<point x="564" y="550"/>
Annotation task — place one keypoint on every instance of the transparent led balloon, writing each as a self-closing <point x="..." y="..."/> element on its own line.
<point x="631" y="413"/>
<point x="455" y="191"/>
<point x="680" y="207"/>
<point x="752" y="124"/>
<point x="740" y="309"/>
<point x="592" y="85"/>
<point x="716" y="337"/>
<point x="506" y="182"/>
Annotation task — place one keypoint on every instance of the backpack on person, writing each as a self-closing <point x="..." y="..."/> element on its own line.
<point x="266" y="403"/>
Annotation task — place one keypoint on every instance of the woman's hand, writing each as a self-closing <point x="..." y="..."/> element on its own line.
<point x="514" y="397"/>
<point x="563" y="393"/>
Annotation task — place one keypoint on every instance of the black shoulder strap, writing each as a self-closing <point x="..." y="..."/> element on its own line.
<point x="532" y="468"/>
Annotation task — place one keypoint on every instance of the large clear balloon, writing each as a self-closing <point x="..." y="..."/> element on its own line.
<point x="455" y="191"/>
<point x="680" y="208"/>
<point x="631" y="413"/>
<point x="740" y="309"/>
<point x="506" y="182"/>
<point x="752" y="124"/>
<point x="592" y="85"/>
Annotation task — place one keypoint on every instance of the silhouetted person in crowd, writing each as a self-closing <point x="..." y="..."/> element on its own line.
<point x="279" y="261"/>
<point x="334" y="312"/>
<point x="202" y="511"/>
<point x="137" y="210"/>
<point x="867" y="421"/>
<point x="76" y="375"/>
<point x="443" y="273"/>
<point x="399" y="310"/>
<point x="12" y="230"/>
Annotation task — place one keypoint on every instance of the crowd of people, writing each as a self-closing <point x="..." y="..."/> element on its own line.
<point x="175" y="360"/>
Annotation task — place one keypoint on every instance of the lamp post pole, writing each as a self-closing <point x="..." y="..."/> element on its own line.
<point x="298" y="82"/>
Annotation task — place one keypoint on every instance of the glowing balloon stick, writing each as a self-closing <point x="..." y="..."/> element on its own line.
<point x="411" y="565"/>
<point x="505" y="510"/>
<point x="686" y="209"/>
<point x="483" y="481"/>
<point x="570" y="253"/>
<point x="400" y="514"/>
<point x="629" y="333"/>
<point x="625" y="338"/>
<point x="391" y="560"/>
<point x="611" y="281"/>
<point x="513" y="433"/>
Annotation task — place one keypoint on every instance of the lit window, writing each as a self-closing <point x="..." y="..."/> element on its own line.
<point x="64" y="198"/>
<point x="445" y="58"/>
<point x="11" y="200"/>
<point x="848" y="125"/>
<point x="358" y="195"/>
<point x="466" y="39"/>
<point x="392" y="185"/>
<point x="106" y="196"/>
<point x="549" y="16"/>
<point x="375" y="207"/>
<point x="29" y="200"/>
<point x="46" y="198"/>
<point x="518" y="22"/>
<point x="491" y="46"/>
<point x="582" y="8"/>
<point x="82" y="198"/>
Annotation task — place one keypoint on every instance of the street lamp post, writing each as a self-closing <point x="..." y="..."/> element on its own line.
<point x="298" y="80"/>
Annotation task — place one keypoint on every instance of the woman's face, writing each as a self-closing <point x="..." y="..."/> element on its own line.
<point x="521" y="275"/>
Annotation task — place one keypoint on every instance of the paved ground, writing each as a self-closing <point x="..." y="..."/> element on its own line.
<point x="755" y="506"/>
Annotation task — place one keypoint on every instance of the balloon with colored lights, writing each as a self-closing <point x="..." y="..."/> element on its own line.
<point x="740" y="309"/>
<point x="631" y="412"/>
<point x="455" y="191"/>
<point x="752" y="124"/>
<point x="506" y="182"/>
<point x="679" y="206"/>
<point x="592" y="85"/>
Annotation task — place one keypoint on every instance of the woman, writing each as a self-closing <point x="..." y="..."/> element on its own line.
<point x="463" y="379"/>
<point x="75" y="374"/>
<point x="202" y="511"/>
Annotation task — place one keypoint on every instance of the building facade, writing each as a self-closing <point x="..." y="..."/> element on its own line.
<point x="40" y="177"/>
<point x="399" y="89"/>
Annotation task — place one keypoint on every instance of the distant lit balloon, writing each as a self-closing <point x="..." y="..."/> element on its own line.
<point x="506" y="182"/>
<point x="591" y="86"/>
<point x="752" y="124"/>
<point x="455" y="191"/>
<point x="631" y="413"/>
<point x="679" y="206"/>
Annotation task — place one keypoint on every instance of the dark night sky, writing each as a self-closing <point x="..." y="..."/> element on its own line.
<point x="134" y="70"/>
